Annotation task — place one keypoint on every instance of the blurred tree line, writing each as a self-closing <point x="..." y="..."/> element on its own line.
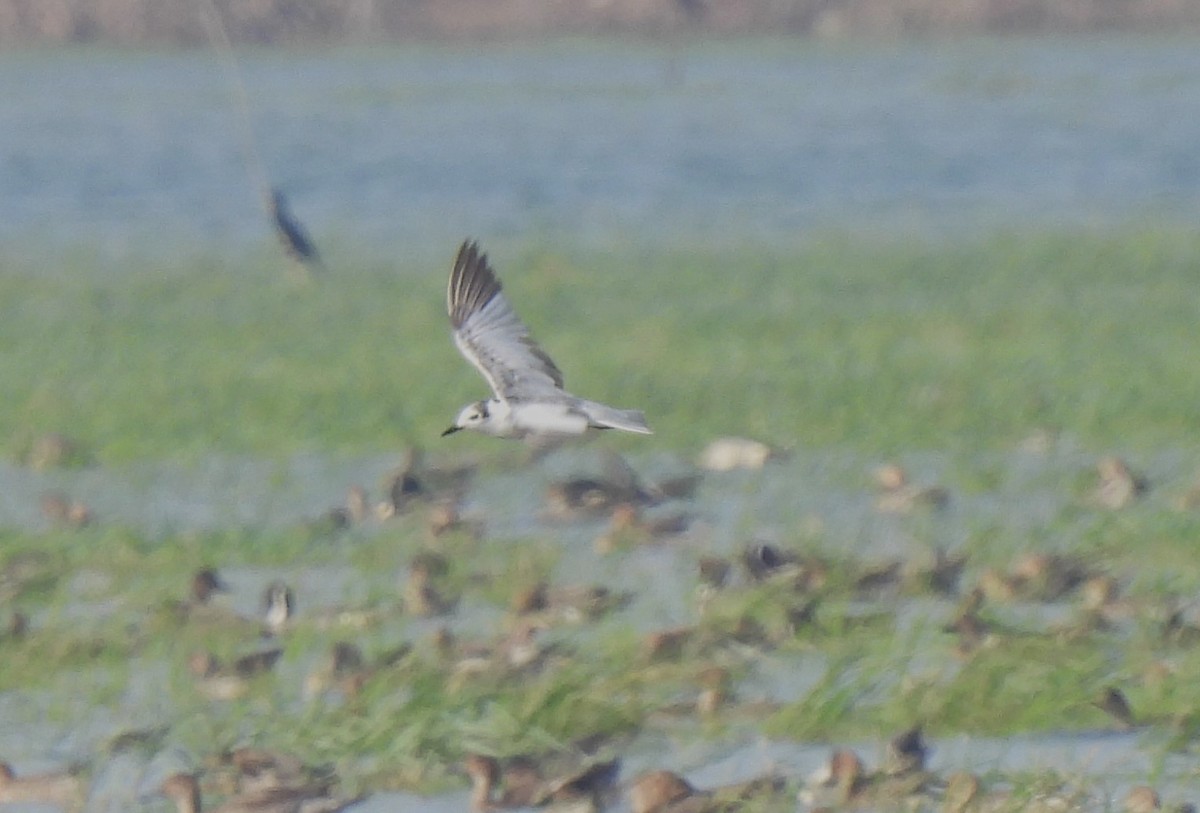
<point x="180" y="22"/>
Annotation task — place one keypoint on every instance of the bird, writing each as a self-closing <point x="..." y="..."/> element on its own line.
<point x="201" y="607"/>
<point x="1119" y="486"/>
<point x="216" y="681"/>
<point x="1111" y="700"/>
<point x="184" y="791"/>
<point x="528" y="400"/>
<point x="668" y="792"/>
<point x="64" y="789"/>
<point x="524" y="784"/>
<point x="296" y="242"/>
<point x="205" y="582"/>
<point x="279" y="605"/>
<point x="63" y="511"/>
<point x="906" y="752"/>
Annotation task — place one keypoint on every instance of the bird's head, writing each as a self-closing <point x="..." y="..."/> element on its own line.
<point x="471" y="417"/>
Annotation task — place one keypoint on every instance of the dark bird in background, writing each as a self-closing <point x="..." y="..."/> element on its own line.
<point x="296" y="242"/>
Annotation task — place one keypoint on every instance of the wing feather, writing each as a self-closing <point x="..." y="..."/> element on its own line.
<point x="491" y="336"/>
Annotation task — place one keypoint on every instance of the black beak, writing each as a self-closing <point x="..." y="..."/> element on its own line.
<point x="451" y="430"/>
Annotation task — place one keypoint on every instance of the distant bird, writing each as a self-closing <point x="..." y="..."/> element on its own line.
<point x="200" y="606"/>
<point x="62" y="789"/>
<point x="843" y="783"/>
<point x="900" y="496"/>
<point x="1119" y="486"/>
<point x="763" y="560"/>
<point x="520" y="783"/>
<point x="64" y="511"/>
<point x="906" y="752"/>
<point x="295" y="240"/>
<point x="659" y="790"/>
<point x="628" y="525"/>
<point x="1111" y="700"/>
<point x="54" y="450"/>
<point x="279" y="604"/>
<point x="421" y="597"/>
<point x="668" y="792"/>
<point x="184" y="791"/>
<point x="572" y="603"/>
<point x="592" y="496"/>
<point x="528" y="397"/>
<point x="216" y="681"/>
<point x="403" y="486"/>
<point x="523" y="783"/>
<point x="205" y="582"/>
<point x="730" y="453"/>
<point x="344" y="668"/>
<point x="351" y="512"/>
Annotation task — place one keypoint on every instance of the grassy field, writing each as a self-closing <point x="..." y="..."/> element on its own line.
<point x="880" y="349"/>
<point x="884" y="346"/>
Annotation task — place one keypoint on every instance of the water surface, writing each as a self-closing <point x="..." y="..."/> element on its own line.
<point x="409" y="148"/>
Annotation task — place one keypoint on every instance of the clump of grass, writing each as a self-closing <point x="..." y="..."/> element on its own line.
<point x="828" y="707"/>
<point x="1032" y="683"/>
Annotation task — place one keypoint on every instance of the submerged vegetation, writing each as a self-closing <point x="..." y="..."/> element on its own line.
<point x="1014" y="598"/>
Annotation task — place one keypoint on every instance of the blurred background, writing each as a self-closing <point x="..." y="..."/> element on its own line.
<point x="655" y="121"/>
<point x="173" y="22"/>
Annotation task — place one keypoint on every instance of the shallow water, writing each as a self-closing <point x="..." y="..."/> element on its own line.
<point x="822" y="500"/>
<point x="1108" y="763"/>
<point x="408" y="149"/>
<point x="818" y="493"/>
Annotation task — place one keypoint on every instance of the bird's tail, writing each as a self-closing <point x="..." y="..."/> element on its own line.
<point x="606" y="417"/>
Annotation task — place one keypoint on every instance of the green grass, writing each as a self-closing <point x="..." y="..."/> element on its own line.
<point x="884" y="346"/>
<point x="875" y="349"/>
<point x="414" y="721"/>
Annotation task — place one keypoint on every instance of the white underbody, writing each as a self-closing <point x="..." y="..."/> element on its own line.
<point x="536" y="419"/>
<point x="532" y="418"/>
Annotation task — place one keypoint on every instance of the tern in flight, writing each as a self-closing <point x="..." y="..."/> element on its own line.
<point x="528" y="399"/>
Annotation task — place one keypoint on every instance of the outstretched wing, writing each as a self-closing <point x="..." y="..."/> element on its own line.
<point x="491" y="336"/>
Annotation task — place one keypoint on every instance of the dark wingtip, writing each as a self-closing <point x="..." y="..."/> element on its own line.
<point x="472" y="283"/>
<point x="469" y="254"/>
